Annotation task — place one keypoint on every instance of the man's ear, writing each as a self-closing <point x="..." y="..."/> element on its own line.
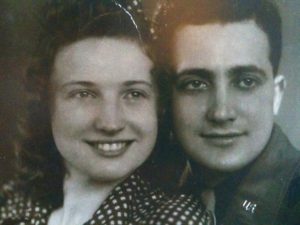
<point x="279" y="86"/>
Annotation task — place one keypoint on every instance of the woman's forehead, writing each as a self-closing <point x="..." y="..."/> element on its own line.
<point x="105" y="58"/>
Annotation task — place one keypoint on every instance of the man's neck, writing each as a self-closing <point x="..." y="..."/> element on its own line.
<point x="209" y="178"/>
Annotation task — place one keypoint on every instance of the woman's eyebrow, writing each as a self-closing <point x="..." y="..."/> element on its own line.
<point x="80" y="83"/>
<point x="134" y="82"/>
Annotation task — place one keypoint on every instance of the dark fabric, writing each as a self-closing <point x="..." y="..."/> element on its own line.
<point x="133" y="202"/>
<point x="267" y="192"/>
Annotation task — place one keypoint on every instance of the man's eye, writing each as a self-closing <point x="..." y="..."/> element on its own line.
<point x="195" y="85"/>
<point x="247" y="83"/>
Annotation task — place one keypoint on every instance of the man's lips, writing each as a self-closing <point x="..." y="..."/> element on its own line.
<point x="222" y="138"/>
<point x="111" y="147"/>
<point x="222" y="134"/>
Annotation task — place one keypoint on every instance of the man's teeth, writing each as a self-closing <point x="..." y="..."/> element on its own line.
<point x="111" y="146"/>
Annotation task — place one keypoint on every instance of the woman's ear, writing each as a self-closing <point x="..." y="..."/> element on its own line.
<point x="279" y="86"/>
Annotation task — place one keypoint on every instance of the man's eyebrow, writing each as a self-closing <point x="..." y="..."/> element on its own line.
<point x="247" y="69"/>
<point x="197" y="72"/>
<point x="134" y="82"/>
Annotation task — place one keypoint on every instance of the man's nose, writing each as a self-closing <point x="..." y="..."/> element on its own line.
<point x="221" y="107"/>
<point x="110" y="117"/>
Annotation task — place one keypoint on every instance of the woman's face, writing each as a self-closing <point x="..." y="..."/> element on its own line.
<point x="104" y="116"/>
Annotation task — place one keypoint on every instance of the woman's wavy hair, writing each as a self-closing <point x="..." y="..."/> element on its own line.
<point x="40" y="169"/>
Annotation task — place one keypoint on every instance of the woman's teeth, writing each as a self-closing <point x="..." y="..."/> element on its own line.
<point x="111" y="146"/>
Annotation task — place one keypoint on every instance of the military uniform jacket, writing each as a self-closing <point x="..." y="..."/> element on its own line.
<point x="267" y="192"/>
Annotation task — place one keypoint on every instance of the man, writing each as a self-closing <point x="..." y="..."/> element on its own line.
<point x="224" y="57"/>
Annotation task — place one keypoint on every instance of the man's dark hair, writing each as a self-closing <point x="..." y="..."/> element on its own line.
<point x="178" y="13"/>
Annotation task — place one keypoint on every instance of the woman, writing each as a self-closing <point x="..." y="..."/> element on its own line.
<point x="92" y="118"/>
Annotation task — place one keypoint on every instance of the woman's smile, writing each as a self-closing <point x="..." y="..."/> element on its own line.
<point x="99" y="107"/>
<point x="110" y="148"/>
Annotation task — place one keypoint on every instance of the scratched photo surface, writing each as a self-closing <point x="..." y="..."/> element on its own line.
<point x="18" y="36"/>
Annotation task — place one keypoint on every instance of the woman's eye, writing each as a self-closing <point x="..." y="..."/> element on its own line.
<point x="195" y="85"/>
<point x="83" y="94"/>
<point x="134" y="95"/>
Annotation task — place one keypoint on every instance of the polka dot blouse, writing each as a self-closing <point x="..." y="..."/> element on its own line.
<point x="132" y="202"/>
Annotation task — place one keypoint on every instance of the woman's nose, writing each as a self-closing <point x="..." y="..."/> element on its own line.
<point x="221" y="108"/>
<point x="110" y="117"/>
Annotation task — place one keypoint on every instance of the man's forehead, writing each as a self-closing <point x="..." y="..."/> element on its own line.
<point x="221" y="45"/>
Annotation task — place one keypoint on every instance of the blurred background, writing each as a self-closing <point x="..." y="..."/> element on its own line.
<point x="289" y="116"/>
<point x="18" y="34"/>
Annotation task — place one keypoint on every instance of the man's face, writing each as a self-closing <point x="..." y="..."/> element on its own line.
<point x="224" y="93"/>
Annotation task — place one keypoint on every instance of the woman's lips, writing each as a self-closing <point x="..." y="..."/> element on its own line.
<point x="110" y="148"/>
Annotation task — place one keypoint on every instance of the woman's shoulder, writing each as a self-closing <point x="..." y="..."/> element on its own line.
<point x="167" y="209"/>
<point x="12" y="202"/>
<point x="179" y="209"/>
<point x="9" y="194"/>
<point x="15" y="205"/>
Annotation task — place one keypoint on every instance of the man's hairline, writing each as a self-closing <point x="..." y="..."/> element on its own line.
<point x="223" y="23"/>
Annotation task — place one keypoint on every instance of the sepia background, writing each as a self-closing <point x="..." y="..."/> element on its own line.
<point x="289" y="116"/>
<point x="18" y="33"/>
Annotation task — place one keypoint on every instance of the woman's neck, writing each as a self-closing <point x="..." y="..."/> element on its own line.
<point x="82" y="197"/>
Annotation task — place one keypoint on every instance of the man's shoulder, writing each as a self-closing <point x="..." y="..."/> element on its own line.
<point x="289" y="145"/>
<point x="288" y="164"/>
<point x="271" y="183"/>
<point x="279" y="146"/>
<point x="290" y="208"/>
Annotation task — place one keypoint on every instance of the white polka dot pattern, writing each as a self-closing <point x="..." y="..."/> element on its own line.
<point x="134" y="202"/>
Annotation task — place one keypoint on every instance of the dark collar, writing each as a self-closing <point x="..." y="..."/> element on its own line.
<point x="256" y="192"/>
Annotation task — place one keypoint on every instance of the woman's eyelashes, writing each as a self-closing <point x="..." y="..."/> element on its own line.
<point x="127" y="95"/>
<point x="134" y="95"/>
<point x="82" y="94"/>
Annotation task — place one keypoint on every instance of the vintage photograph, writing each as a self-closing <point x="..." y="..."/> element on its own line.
<point x="149" y="112"/>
